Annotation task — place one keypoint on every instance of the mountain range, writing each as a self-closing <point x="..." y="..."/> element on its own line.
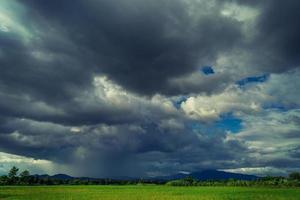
<point x="200" y="175"/>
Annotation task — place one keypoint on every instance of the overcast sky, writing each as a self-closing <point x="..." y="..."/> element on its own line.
<point x="149" y="87"/>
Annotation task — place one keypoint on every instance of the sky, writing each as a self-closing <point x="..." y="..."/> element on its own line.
<point x="148" y="88"/>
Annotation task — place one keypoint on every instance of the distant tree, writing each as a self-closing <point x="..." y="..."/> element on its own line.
<point x="13" y="172"/>
<point x="12" y="175"/>
<point x="24" y="174"/>
<point x="294" y="176"/>
<point x="24" y="177"/>
<point x="4" y="180"/>
<point x="189" y="181"/>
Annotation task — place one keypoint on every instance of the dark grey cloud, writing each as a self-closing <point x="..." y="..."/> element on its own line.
<point x="140" y="45"/>
<point x="280" y="26"/>
<point x="92" y="83"/>
<point x="118" y="150"/>
<point x="275" y="47"/>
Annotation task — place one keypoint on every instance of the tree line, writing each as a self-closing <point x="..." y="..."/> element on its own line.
<point x="25" y="178"/>
<point x="13" y="178"/>
<point x="293" y="180"/>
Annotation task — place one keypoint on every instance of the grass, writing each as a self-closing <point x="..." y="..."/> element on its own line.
<point x="145" y="192"/>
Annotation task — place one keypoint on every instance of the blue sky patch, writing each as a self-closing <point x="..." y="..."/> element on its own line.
<point x="253" y="79"/>
<point x="179" y="100"/>
<point x="207" y="70"/>
<point x="229" y="123"/>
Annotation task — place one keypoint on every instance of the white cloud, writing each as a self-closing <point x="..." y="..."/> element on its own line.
<point x="12" y="22"/>
<point x="263" y="171"/>
<point x="279" y="89"/>
<point x="233" y="99"/>
<point x="23" y="163"/>
<point x="271" y="131"/>
<point x="115" y="96"/>
<point x="284" y="87"/>
<point x="241" y="13"/>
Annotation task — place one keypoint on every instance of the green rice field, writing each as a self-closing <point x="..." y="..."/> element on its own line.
<point x="145" y="192"/>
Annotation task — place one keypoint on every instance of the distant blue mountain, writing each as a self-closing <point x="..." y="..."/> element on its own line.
<point x="62" y="177"/>
<point x="201" y="176"/>
<point x="220" y="175"/>
<point x="211" y="175"/>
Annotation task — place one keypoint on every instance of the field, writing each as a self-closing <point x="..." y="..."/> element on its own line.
<point x="145" y="192"/>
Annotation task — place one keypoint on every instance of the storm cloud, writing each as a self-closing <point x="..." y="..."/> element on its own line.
<point x="109" y="88"/>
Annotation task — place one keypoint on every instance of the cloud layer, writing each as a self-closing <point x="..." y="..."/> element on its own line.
<point x="109" y="88"/>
